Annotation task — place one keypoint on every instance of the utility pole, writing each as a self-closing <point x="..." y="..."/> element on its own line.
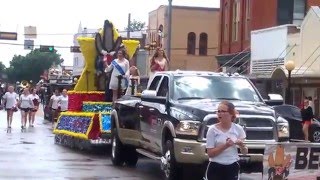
<point x="128" y="29"/>
<point x="169" y="30"/>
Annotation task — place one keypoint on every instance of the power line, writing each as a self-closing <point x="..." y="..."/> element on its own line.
<point x="232" y="59"/>
<point x="88" y="33"/>
<point x="60" y="46"/>
<point x="237" y="62"/>
<point x="19" y="44"/>
<point x="306" y="60"/>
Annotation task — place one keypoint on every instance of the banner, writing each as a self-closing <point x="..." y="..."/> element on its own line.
<point x="291" y="161"/>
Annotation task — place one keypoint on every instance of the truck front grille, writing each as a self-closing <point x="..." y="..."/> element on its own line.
<point x="256" y="128"/>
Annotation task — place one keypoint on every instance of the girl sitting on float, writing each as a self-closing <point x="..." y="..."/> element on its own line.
<point x="134" y="81"/>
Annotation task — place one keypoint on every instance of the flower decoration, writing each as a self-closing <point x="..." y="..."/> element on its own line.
<point x="75" y="124"/>
<point x="96" y="107"/>
<point x="77" y="98"/>
<point x="105" y="122"/>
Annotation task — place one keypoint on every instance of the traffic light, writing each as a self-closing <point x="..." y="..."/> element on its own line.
<point x="75" y="49"/>
<point x="46" y="48"/>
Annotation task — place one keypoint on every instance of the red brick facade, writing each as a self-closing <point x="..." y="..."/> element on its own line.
<point x="251" y="15"/>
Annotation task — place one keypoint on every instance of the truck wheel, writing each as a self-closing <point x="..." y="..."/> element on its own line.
<point x="131" y="157"/>
<point x="117" y="150"/>
<point x="314" y="136"/>
<point x="170" y="167"/>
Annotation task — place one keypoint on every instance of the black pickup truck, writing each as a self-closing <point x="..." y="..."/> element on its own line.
<point x="170" y="119"/>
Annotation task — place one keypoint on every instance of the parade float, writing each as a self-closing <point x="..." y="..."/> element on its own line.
<point x="87" y="121"/>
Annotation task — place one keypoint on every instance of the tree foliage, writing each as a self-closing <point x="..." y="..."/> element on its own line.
<point x="136" y="26"/>
<point x="2" y="68"/>
<point x="31" y="66"/>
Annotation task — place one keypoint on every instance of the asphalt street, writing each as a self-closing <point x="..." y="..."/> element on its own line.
<point x="33" y="155"/>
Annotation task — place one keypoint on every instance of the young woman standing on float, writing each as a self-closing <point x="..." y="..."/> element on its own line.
<point x="159" y="61"/>
<point x="222" y="141"/>
<point x="10" y="100"/>
<point x="119" y="67"/>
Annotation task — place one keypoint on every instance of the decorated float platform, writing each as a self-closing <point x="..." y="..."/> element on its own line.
<point x="87" y="123"/>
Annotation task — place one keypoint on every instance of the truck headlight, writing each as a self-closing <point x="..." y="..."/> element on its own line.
<point x="188" y="128"/>
<point x="283" y="127"/>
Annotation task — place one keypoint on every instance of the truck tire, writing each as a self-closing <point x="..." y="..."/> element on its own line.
<point x="131" y="157"/>
<point x="171" y="169"/>
<point x="117" y="149"/>
<point x="314" y="134"/>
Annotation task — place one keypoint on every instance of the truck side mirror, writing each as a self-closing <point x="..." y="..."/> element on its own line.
<point x="274" y="99"/>
<point x="151" y="96"/>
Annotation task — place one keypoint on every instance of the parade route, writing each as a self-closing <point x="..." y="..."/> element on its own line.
<point x="33" y="155"/>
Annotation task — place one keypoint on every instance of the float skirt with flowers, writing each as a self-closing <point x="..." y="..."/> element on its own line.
<point x="87" y="121"/>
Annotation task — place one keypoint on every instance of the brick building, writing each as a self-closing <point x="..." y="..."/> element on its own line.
<point x="239" y="17"/>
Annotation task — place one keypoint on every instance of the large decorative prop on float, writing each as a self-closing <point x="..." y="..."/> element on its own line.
<point x="87" y="120"/>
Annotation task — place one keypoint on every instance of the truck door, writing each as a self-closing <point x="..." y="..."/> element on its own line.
<point x="147" y="115"/>
<point x="159" y="115"/>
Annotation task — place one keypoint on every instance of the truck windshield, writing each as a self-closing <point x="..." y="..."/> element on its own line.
<point x="214" y="87"/>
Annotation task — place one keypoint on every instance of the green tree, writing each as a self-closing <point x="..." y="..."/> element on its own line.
<point x="2" y="70"/>
<point x="136" y="26"/>
<point x="31" y="66"/>
<point x="2" y="67"/>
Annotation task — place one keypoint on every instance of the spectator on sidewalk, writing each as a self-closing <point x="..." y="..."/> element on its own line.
<point x="306" y="115"/>
<point x="36" y="101"/>
<point x="10" y="100"/>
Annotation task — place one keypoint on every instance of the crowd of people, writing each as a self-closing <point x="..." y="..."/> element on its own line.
<point x="28" y="103"/>
<point x="58" y="103"/>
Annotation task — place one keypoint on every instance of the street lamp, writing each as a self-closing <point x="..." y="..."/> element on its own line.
<point x="289" y="65"/>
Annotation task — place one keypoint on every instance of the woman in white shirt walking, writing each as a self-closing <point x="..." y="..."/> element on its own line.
<point x="222" y="141"/>
<point x="54" y="100"/>
<point x="36" y="101"/>
<point x="10" y="100"/>
<point x="25" y="105"/>
<point x="63" y="101"/>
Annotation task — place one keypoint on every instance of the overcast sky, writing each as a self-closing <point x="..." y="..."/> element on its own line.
<point x="64" y="16"/>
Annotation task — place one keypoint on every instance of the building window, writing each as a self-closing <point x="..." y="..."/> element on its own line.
<point x="160" y="36"/>
<point x="248" y="20"/>
<point x="299" y="10"/>
<point x="203" y="44"/>
<point x="235" y="20"/>
<point x="226" y="21"/>
<point x="285" y="9"/>
<point x="191" y="43"/>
